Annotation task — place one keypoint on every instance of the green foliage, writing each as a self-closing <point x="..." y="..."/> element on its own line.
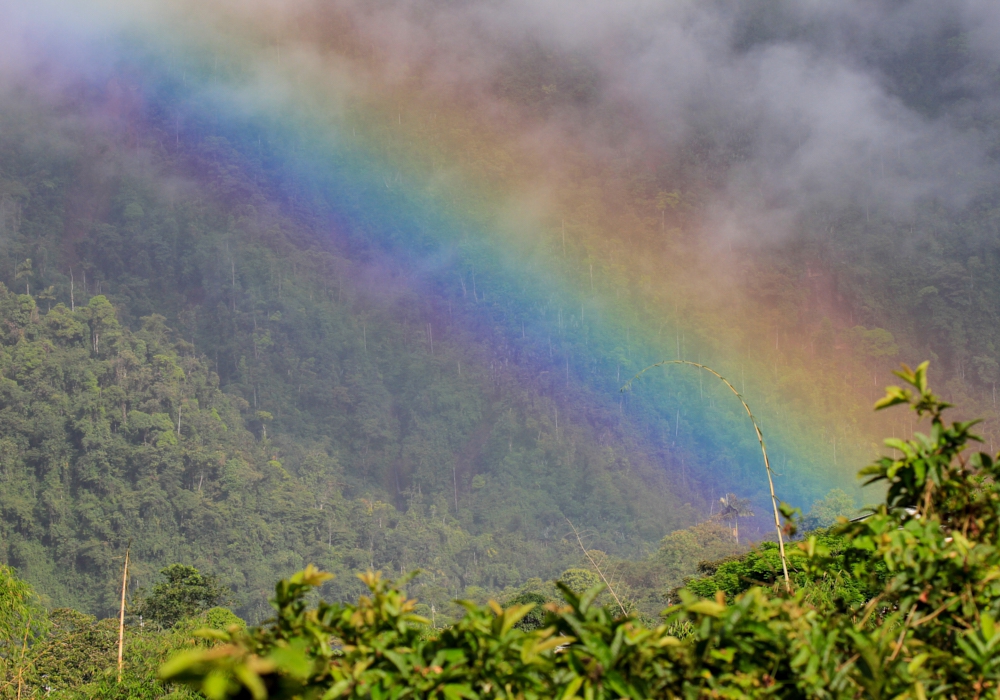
<point x="901" y="604"/>
<point x="77" y="660"/>
<point x="22" y="621"/>
<point x="826" y="511"/>
<point x="110" y="435"/>
<point x="222" y="619"/>
<point x="732" y="509"/>
<point x="79" y="650"/>
<point x="579" y="580"/>
<point x="937" y="531"/>
<point x="681" y="551"/>
<point x="226" y="394"/>
<point x="761" y="566"/>
<point x="185" y="593"/>
<point x="535" y="617"/>
<point x="317" y="428"/>
<point x="876" y="343"/>
<point x="129" y="437"/>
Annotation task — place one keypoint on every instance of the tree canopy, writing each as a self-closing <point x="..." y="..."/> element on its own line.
<point x="183" y="593"/>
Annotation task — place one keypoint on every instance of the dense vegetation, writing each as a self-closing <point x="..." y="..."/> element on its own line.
<point x="399" y="452"/>
<point x="319" y="414"/>
<point x="111" y="436"/>
<point x="900" y="604"/>
<point x="67" y="654"/>
<point x="904" y="607"/>
<point x="192" y="364"/>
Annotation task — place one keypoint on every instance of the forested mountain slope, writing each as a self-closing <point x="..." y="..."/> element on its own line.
<point x="413" y="309"/>
<point x="111" y="437"/>
<point x="182" y="372"/>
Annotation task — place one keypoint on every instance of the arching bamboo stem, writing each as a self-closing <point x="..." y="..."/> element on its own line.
<point x="760" y="439"/>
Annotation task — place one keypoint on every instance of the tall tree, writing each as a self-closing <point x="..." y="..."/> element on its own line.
<point x="733" y="509"/>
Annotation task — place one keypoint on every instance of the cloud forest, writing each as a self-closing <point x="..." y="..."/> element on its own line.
<point x="499" y="349"/>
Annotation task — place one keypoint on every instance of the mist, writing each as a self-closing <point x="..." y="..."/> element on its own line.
<point x="793" y="108"/>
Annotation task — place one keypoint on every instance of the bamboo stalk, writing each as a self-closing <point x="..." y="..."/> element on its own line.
<point x="20" y="664"/>
<point x="760" y="439"/>
<point x="597" y="568"/>
<point x="121" y="620"/>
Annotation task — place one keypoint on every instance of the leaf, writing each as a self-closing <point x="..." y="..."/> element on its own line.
<point x="725" y="654"/>
<point x="707" y="607"/>
<point x="617" y="682"/>
<point x="399" y="661"/>
<point x="893" y="396"/>
<point x="453" y="691"/>
<point x="292" y="660"/>
<point x="216" y="686"/>
<point x="529" y="650"/>
<point x="311" y="576"/>
<point x="917" y="662"/>
<point x="181" y="663"/>
<point x="251" y="681"/>
<point x="587" y="599"/>
<point x="571" y="688"/>
<point x="897" y="444"/>
<point x="920" y="376"/>
<point x="337" y="689"/>
<point x="988" y="625"/>
<point x="511" y="616"/>
<point x="209" y="633"/>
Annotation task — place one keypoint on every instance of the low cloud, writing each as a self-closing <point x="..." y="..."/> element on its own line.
<point x="790" y="107"/>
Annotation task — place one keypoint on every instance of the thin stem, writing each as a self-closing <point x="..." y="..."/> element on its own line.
<point x="121" y="621"/>
<point x="597" y="568"/>
<point x="20" y="664"/>
<point x="760" y="439"/>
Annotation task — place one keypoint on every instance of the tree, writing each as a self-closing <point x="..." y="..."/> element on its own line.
<point x="535" y="619"/>
<point x="77" y="657"/>
<point x="185" y="593"/>
<point x="579" y="580"/>
<point x="876" y="343"/>
<point x="78" y="650"/>
<point x="733" y="509"/>
<point x="825" y="511"/>
<point x="989" y="371"/>
<point x="263" y="417"/>
<point x="24" y="272"/>
<point x="48" y="295"/>
<point x="104" y="325"/>
<point x="680" y="551"/>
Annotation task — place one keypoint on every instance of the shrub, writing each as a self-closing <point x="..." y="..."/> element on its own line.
<point x="901" y="604"/>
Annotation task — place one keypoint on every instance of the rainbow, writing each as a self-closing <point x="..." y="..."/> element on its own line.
<point x="528" y="240"/>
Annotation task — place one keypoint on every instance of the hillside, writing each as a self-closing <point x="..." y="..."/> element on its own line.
<point x="411" y="285"/>
<point x="316" y="422"/>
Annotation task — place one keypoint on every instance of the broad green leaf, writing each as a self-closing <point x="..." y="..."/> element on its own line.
<point x="511" y="616"/>
<point x="454" y="691"/>
<point x="707" y="607"/>
<point x="570" y="690"/>
<point x="292" y="660"/>
<point x="216" y="686"/>
<point x="251" y="681"/>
